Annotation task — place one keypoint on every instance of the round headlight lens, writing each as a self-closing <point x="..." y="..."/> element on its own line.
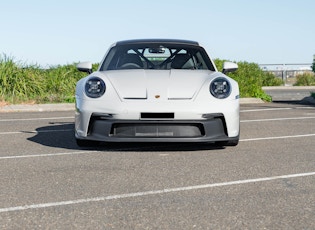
<point x="220" y="88"/>
<point x="95" y="87"/>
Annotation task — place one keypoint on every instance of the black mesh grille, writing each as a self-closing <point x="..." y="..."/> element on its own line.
<point x="157" y="130"/>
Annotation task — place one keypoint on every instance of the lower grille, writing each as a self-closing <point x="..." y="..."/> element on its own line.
<point x="157" y="130"/>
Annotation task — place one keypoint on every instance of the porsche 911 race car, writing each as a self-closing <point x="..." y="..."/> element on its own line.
<point x="157" y="90"/>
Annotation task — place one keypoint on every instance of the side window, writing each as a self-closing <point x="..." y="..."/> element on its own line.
<point x="200" y="64"/>
<point x="110" y="61"/>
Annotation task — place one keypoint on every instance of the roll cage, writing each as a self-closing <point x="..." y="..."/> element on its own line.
<point x="156" y="56"/>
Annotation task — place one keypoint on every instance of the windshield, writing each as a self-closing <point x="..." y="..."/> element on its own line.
<point x="157" y="56"/>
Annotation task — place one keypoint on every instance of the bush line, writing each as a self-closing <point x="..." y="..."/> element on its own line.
<point x="21" y="83"/>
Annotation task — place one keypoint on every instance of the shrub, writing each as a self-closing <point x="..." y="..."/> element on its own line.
<point x="23" y="83"/>
<point x="19" y="83"/>
<point x="60" y="82"/>
<point x="269" y="79"/>
<point x="305" y="79"/>
<point x="251" y="78"/>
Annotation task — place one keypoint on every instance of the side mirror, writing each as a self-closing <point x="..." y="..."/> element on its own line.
<point x="229" y="67"/>
<point x="85" y="67"/>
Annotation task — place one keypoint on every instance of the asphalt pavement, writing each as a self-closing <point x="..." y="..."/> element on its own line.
<point x="266" y="182"/>
<point x="291" y="93"/>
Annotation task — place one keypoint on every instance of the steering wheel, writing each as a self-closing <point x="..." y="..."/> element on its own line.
<point x="130" y="66"/>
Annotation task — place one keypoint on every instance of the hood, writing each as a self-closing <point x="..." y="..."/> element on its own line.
<point x="157" y="84"/>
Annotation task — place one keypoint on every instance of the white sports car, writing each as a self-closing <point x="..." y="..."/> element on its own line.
<point x="157" y="90"/>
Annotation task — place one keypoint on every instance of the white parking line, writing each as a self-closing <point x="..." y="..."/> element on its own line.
<point x="259" y="110"/>
<point x="242" y="121"/>
<point x="280" y="137"/>
<point x="278" y="119"/>
<point x="72" y="117"/>
<point x="153" y="192"/>
<point x="274" y="109"/>
<point x="124" y="149"/>
<point x="41" y="131"/>
<point x="47" y="154"/>
<point x="36" y="119"/>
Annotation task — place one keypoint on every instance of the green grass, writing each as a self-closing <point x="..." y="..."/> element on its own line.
<point x="29" y="83"/>
<point x="21" y="83"/>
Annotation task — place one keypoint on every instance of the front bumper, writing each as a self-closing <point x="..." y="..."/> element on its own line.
<point x="213" y="129"/>
<point x="173" y="121"/>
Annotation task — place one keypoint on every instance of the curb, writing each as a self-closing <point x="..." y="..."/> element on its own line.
<point x="71" y="106"/>
<point x="37" y="108"/>
<point x="251" y="101"/>
<point x="288" y="88"/>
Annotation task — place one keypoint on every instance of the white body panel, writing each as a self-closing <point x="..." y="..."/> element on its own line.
<point x="186" y="93"/>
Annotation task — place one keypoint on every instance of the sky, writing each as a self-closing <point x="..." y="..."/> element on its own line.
<point x="59" y="32"/>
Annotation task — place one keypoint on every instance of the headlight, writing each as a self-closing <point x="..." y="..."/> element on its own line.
<point x="95" y="87"/>
<point x="220" y="88"/>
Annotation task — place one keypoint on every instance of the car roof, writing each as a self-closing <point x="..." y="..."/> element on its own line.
<point x="159" y="41"/>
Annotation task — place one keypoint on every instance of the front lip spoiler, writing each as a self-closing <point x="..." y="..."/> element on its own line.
<point x="214" y="131"/>
<point x="163" y="140"/>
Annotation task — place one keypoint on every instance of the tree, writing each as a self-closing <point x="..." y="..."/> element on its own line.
<point x="313" y="66"/>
